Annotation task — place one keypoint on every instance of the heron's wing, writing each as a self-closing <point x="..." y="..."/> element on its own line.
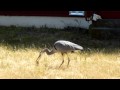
<point x="73" y="46"/>
<point x="67" y="46"/>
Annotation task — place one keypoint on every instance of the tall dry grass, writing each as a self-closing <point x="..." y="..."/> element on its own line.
<point x="19" y="49"/>
<point x="20" y="64"/>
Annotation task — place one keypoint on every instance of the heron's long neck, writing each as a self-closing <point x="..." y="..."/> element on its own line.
<point x="49" y="52"/>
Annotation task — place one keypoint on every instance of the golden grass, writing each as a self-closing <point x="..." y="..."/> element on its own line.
<point x="20" y="64"/>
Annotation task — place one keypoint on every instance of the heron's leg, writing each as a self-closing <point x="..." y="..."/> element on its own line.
<point x="37" y="60"/>
<point x="68" y="60"/>
<point x="62" y="60"/>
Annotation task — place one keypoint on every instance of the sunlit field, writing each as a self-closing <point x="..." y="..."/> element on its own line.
<point x="20" y="47"/>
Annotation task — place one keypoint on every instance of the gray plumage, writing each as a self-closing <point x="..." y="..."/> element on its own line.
<point x="63" y="47"/>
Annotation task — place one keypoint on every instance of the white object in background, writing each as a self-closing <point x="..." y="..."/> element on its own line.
<point x="96" y="17"/>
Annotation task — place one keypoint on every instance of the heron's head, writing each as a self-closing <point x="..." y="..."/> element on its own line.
<point x="46" y="50"/>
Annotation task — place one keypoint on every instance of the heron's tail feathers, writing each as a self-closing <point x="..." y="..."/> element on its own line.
<point x="79" y="48"/>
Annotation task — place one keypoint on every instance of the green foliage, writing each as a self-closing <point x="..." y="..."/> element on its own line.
<point x="100" y="32"/>
<point x="105" y="29"/>
<point x="32" y="37"/>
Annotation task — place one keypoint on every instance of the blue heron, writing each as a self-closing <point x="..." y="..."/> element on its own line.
<point x="63" y="47"/>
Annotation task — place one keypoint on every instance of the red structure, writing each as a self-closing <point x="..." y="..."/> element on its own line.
<point x="58" y="19"/>
<point x="104" y="14"/>
<point x="35" y="13"/>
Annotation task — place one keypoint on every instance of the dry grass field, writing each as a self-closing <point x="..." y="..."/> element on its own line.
<point x="19" y="48"/>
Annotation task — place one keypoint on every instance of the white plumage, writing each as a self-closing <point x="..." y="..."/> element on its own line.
<point x="63" y="47"/>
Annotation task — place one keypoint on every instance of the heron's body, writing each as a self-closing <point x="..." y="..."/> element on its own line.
<point x="63" y="47"/>
<point x="66" y="46"/>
